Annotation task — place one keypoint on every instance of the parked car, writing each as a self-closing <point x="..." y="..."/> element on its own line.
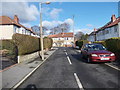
<point x="77" y="47"/>
<point x="96" y="53"/>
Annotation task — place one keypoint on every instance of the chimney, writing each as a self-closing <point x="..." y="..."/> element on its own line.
<point x="113" y="18"/>
<point x="95" y="29"/>
<point x="16" y="19"/>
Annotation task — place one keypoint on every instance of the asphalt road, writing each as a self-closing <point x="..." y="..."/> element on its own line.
<point x="66" y="69"/>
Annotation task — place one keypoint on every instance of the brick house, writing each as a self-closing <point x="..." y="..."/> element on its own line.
<point x="62" y="39"/>
<point x="9" y="26"/>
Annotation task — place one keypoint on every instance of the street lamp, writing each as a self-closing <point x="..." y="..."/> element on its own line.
<point x="41" y="31"/>
<point x="73" y="32"/>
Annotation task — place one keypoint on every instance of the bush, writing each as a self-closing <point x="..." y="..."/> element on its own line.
<point x="26" y="44"/>
<point x="113" y="44"/>
<point x="80" y="43"/>
<point x="8" y="48"/>
<point x="47" y="43"/>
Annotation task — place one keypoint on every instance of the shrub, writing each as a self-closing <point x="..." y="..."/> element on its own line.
<point x="81" y="42"/>
<point x="47" y="43"/>
<point x="113" y="44"/>
<point x="8" y="48"/>
<point x="26" y="44"/>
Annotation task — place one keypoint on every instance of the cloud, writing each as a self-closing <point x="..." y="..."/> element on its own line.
<point x="24" y="11"/>
<point x="26" y="25"/>
<point x="84" y="30"/>
<point x="69" y="21"/>
<point x="51" y="24"/>
<point x="54" y="14"/>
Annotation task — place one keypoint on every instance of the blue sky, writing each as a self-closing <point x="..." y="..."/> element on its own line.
<point x="88" y="15"/>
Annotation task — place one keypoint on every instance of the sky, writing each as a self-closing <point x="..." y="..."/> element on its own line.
<point x="87" y="15"/>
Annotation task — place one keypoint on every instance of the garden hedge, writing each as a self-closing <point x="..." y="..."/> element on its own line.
<point x="112" y="44"/>
<point x="26" y="44"/>
<point x="80" y="43"/>
<point x="9" y="46"/>
<point x="47" y="43"/>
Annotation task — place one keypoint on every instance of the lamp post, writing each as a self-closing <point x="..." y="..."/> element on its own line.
<point x="73" y="32"/>
<point x="41" y="31"/>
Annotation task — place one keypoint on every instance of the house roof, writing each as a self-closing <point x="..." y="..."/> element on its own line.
<point x="109" y="24"/>
<point x="5" y="20"/>
<point x="61" y="35"/>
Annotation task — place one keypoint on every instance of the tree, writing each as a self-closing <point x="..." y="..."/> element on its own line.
<point x="81" y="36"/>
<point x="78" y="35"/>
<point x="64" y="27"/>
<point x="36" y="29"/>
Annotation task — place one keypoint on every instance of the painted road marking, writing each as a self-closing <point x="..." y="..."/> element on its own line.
<point x="78" y="81"/>
<point x="64" y="50"/>
<point x="69" y="60"/>
<point x="66" y="53"/>
<point x="112" y="66"/>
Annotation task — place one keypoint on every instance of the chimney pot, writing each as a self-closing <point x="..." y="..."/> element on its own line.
<point x="113" y="18"/>
<point x="16" y="19"/>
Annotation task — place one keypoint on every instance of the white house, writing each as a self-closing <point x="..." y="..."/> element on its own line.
<point x="9" y="26"/>
<point x="62" y="39"/>
<point x="111" y="29"/>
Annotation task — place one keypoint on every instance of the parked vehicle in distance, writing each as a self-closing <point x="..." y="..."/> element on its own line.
<point x="97" y="53"/>
<point x="77" y="47"/>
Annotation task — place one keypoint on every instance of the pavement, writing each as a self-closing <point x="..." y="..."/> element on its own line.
<point x="65" y="69"/>
<point x="14" y="75"/>
<point x="5" y="62"/>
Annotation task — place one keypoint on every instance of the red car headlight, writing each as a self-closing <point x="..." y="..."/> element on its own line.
<point x="94" y="55"/>
<point x="112" y="54"/>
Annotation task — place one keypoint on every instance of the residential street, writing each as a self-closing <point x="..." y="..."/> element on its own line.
<point x="60" y="71"/>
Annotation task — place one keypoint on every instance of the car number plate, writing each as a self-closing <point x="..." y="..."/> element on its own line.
<point x="104" y="58"/>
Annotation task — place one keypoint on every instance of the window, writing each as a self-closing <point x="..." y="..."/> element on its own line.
<point x="115" y="29"/>
<point x="15" y="30"/>
<point x="106" y="32"/>
<point x="67" y="38"/>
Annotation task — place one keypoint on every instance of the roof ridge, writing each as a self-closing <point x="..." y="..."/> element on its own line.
<point x="10" y="19"/>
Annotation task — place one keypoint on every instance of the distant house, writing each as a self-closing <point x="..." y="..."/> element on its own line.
<point x="62" y="39"/>
<point x="9" y="26"/>
<point x="109" y="30"/>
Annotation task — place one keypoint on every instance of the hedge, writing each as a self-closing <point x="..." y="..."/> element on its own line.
<point x="9" y="46"/>
<point x="26" y="44"/>
<point x="80" y="43"/>
<point x="112" y="44"/>
<point x="47" y="43"/>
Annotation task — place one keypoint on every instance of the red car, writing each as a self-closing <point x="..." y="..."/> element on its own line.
<point x="96" y="53"/>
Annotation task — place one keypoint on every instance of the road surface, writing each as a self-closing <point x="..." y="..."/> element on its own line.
<point x="66" y="69"/>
